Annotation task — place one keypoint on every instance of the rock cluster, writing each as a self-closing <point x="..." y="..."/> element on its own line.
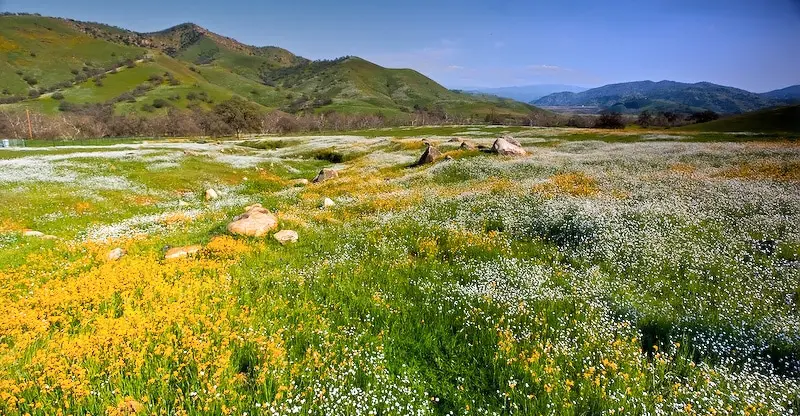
<point x="256" y="221"/>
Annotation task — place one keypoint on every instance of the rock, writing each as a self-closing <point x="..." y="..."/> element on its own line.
<point x="178" y="252"/>
<point x="32" y="233"/>
<point x="255" y="222"/>
<point x="49" y="237"/>
<point x="286" y="236"/>
<point x="324" y="175"/>
<point x="505" y="148"/>
<point x="116" y="254"/>
<point x="211" y="194"/>
<point x="300" y="182"/>
<point x="183" y="204"/>
<point x="512" y="140"/>
<point x="467" y="146"/>
<point x="454" y="140"/>
<point x="429" y="156"/>
<point x="327" y="203"/>
<point x="448" y="157"/>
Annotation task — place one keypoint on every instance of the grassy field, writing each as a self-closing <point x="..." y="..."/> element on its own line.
<point x="630" y="273"/>
<point x="773" y="120"/>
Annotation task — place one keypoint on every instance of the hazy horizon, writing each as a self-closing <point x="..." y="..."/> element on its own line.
<point x="507" y="44"/>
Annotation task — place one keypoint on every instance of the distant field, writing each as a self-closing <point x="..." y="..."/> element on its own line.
<point x="629" y="272"/>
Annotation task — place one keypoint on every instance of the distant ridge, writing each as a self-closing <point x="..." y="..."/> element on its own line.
<point x="634" y="97"/>
<point x="527" y="93"/>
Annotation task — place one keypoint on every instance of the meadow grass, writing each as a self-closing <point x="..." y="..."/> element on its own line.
<point x="594" y="276"/>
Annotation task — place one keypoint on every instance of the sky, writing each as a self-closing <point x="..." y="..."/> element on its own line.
<point x="750" y="44"/>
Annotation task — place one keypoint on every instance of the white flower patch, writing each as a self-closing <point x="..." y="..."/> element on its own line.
<point x="136" y="226"/>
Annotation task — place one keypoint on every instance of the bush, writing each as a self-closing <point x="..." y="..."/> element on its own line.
<point x="58" y="96"/>
<point x="703" y="116"/>
<point x="148" y="108"/>
<point x="34" y="93"/>
<point x="160" y="103"/>
<point x="609" y="120"/>
<point x="30" y="80"/>
<point x="66" y="106"/>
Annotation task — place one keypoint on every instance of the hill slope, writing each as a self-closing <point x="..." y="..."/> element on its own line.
<point x="191" y="59"/>
<point x="773" y="120"/>
<point x="787" y="94"/>
<point x="634" y="97"/>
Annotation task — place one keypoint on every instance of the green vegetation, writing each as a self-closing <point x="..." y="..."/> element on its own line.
<point x="773" y="120"/>
<point x="100" y="68"/>
<point x="605" y="272"/>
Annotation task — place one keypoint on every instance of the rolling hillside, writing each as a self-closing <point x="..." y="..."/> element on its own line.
<point x="773" y="120"/>
<point x="634" y="97"/>
<point x="43" y="59"/>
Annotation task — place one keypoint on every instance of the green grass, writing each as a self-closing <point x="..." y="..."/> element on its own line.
<point x="773" y="120"/>
<point x="582" y="280"/>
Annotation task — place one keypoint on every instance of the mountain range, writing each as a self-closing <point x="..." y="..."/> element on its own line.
<point x="526" y="93"/>
<point x="634" y="97"/>
<point x="48" y="64"/>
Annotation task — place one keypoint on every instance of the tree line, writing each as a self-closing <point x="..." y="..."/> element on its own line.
<point x="238" y="116"/>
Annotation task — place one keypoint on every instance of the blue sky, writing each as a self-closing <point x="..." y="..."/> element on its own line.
<point x="751" y="44"/>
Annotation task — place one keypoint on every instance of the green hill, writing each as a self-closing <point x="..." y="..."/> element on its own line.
<point x="773" y="120"/>
<point x="188" y="65"/>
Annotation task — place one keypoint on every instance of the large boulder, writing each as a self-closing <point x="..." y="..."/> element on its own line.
<point x="255" y="222"/>
<point x="506" y="148"/>
<point x="286" y="236"/>
<point x="511" y="140"/>
<point x="178" y="252"/>
<point x="429" y="156"/>
<point x="324" y="175"/>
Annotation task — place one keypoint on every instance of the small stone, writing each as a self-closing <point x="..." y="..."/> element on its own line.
<point x="324" y="175"/>
<point x="49" y="237"/>
<point x="454" y="140"/>
<point x="32" y="233"/>
<point x="116" y="254"/>
<point x="183" y="203"/>
<point x="467" y="146"/>
<point x="286" y="236"/>
<point x="178" y="252"/>
<point x="300" y="182"/>
<point x="448" y="157"/>
<point x="327" y="203"/>
<point x="211" y="194"/>
<point x="429" y="156"/>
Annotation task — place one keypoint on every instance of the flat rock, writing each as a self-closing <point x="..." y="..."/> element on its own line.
<point x="454" y="140"/>
<point x="256" y="221"/>
<point x="211" y="194"/>
<point x="467" y="146"/>
<point x="506" y="148"/>
<point x="116" y="254"/>
<point x="300" y="182"/>
<point x="286" y="236"/>
<point x="327" y="203"/>
<point x="178" y="252"/>
<point x="324" y="175"/>
<point x="32" y="233"/>
<point x="429" y="156"/>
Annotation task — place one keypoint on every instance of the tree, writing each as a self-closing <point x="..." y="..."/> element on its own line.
<point x="238" y="113"/>
<point x="703" y="116"/>
<point x="609" y="120"/>
<point x="645" y="119"/>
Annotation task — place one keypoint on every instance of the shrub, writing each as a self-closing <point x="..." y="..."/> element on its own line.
<point x="148" y="108"/>
<point x="160" y="103"/>
<point x="66" y="106"/>
<point x="609" y="120"/>
<point x="34" y="93"/>
<point x="58" y="96"/>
